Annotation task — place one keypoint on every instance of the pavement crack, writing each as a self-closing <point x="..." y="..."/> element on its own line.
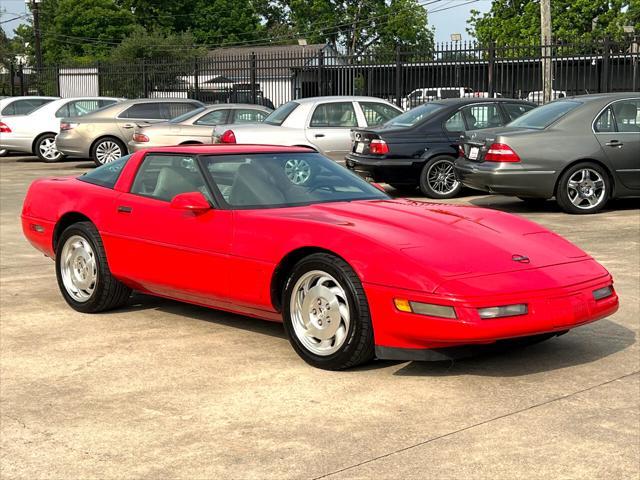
<point x="479" y="424"/>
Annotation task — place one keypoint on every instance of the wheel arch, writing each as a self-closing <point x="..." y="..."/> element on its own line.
<point x="600" y="163"/>
<point x="285" y="266"/>
<point x="38" y="137"/>
<point x="66" y="221"/>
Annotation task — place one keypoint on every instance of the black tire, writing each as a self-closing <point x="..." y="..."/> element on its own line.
<point x="103" y="142"/>
<point x="426" y="186"/>
<point x="564" y="192"/>
<point x="358" y="346"/>
<point x="41" y="143"/>
<point x="109" y="293"/>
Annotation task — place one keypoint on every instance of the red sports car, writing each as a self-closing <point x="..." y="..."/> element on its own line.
<point x="285" y="234"/>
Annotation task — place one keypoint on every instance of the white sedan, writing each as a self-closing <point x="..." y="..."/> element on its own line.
<point x="322" y="123"/>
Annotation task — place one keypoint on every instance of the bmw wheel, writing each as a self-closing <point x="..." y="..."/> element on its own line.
<point x="438" y="178"/>
<point x="107" y="150"/>
<point x="326" y="314"/>
<point x="46" y="150"/>
<point x="583" y="188"/>
<point x="83" y="275"/>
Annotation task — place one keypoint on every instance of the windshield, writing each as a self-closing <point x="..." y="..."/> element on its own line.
<point x="415" y="115"/>
<point x="284" y="179"/>
<point x="187" y="115"/>
<point x="280" y="114"/>
<point x="541" y="117"/>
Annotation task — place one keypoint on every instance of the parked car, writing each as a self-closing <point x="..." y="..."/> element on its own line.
<point x="538" y="95"/>
<point x="10" y="106"/>
<point x="322" y="123"/>
<point x="583" y="150"/>
<point x="195" y="126"/>
<point x="418" y="148"/>
<point x="103" y="136"/>
<point x="422" y="95"/>
<point x="35" y="132"/>
<point x="285" y="234"/>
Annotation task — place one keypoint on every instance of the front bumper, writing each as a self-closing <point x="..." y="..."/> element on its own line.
<point x="549" y="310"/>
<point x="506" y="178"/>
<point x="387" y="170"/>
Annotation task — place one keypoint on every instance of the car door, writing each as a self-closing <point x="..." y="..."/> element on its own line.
<point x="330" y="126"/>
<point x="617" y="129"/>
<point x="169" y="251"/>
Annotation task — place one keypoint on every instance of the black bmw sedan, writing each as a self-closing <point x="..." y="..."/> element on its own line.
<point x="419" y="147"/>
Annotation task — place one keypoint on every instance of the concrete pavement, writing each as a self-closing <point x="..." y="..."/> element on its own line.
<point x="167" y="390"/>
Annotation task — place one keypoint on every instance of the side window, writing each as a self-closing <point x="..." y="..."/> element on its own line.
<point x="216" y="117"/>
<point x="249" y="116"/>
<point x="340" y="114"/>
<point x="482" y="116"/>
<point x="627" y="113"/>
<point x="174" y="109"/>
<point x="455" y="123"/>
<point x="83" y="107"/>
<point x="165" y="176"/>
<point x="605" y="122"/>
<point x="149" y="111"/>
<point x="63" y="111"/>
<point x="514" y="110"/>
<point x="378" y="113"/>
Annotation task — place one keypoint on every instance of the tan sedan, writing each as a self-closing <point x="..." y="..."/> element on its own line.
<point x="104" y="134"/>
<point x="195" y="126"/>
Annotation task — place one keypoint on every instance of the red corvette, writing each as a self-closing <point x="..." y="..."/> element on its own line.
<point x="284" y="234"/>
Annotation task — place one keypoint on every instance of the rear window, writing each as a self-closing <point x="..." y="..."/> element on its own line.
<point x="415" y="115"/>
<point x="106" y="175"/>
<point x="280" y="114"/>
<point x="541" y="117"/>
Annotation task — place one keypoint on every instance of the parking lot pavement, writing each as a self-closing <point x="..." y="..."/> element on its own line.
<point x="167" y="390"/>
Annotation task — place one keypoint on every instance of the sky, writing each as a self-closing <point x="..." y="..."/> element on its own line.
<point x="450" y="20"/>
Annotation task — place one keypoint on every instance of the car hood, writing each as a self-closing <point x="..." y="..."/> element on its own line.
<point x="452" y="240"/>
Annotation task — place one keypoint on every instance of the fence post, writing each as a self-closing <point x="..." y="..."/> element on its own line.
<point x="398" y="77"/>
<point x="145" y="87"/>
<point x="98" y="78"/>
<point x="604" y="72"/>
<point x="12" y="78"/>
<point x="21" y="77"/>
<point x="320" y="71"/>
<point x="252" y="76"/>
<point x="196" y="78"/>
<point x="635" y="56"/>
<point x="491" y="83"/>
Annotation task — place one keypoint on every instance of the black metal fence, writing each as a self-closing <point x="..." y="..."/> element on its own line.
<point x="406" y="78"/>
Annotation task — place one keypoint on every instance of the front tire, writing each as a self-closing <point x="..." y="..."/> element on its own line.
<point x="326" y="313"/>
<point x="107" y="150"/>
<point x="584" y="188"/>
<point x="438" y="178"/>
<point x="83" y="274"/>
<point x="45" y="148"/>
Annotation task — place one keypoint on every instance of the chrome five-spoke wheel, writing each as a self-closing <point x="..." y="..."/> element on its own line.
<point x="586" y="188"/>
<point x="78" y="268"/>
<point x="320" y="312"/>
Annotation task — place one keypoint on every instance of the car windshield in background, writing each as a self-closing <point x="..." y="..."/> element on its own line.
<point x="280" y="114"/>
<point x="284" y="179"/>
<point x="187" y="115"/>
<point x="541" y="117"/>
<point x="107" y="175"/>
<point x="415" y="115"/>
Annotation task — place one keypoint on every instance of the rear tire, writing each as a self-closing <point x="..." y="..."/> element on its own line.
<point x="584" y="188"/>
<point x="83" y="274"/>
<point x="326" y="313"/>
<point x="107" y="150"/>
<point x="45" y="148"/>
<point x="438" y="178"/>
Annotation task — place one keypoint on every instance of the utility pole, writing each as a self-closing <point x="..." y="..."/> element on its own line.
<point x="34" y="5"/>
<point x="545" y="39"/>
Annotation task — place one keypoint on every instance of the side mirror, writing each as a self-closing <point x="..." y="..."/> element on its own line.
<point x="194" y="202"/>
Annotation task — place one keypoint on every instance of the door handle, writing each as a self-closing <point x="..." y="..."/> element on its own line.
<point x="614" y="143"/>
<point x="319" y="135"/>
<point x="128" y="125"/>
<point x="124" y="209"/>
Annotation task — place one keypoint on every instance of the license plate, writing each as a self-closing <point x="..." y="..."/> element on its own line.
<point x="473" y="153"/>
<point x="359" y="147"/>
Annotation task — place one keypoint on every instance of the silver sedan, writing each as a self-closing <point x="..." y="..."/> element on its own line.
<point x="195" y="126"/>
<point x="322" y="123"/>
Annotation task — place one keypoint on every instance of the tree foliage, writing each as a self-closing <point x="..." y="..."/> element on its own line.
<point x="513" y="22"/>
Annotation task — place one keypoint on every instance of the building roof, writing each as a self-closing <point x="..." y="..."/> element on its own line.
<point x="295" y="50"/>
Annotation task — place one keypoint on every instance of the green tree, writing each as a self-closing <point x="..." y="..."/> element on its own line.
<point x="156" y="45"/>
<point x="513" y="22"/>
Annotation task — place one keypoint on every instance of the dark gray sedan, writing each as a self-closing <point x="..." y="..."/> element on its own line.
<point x="583" y="150"/>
